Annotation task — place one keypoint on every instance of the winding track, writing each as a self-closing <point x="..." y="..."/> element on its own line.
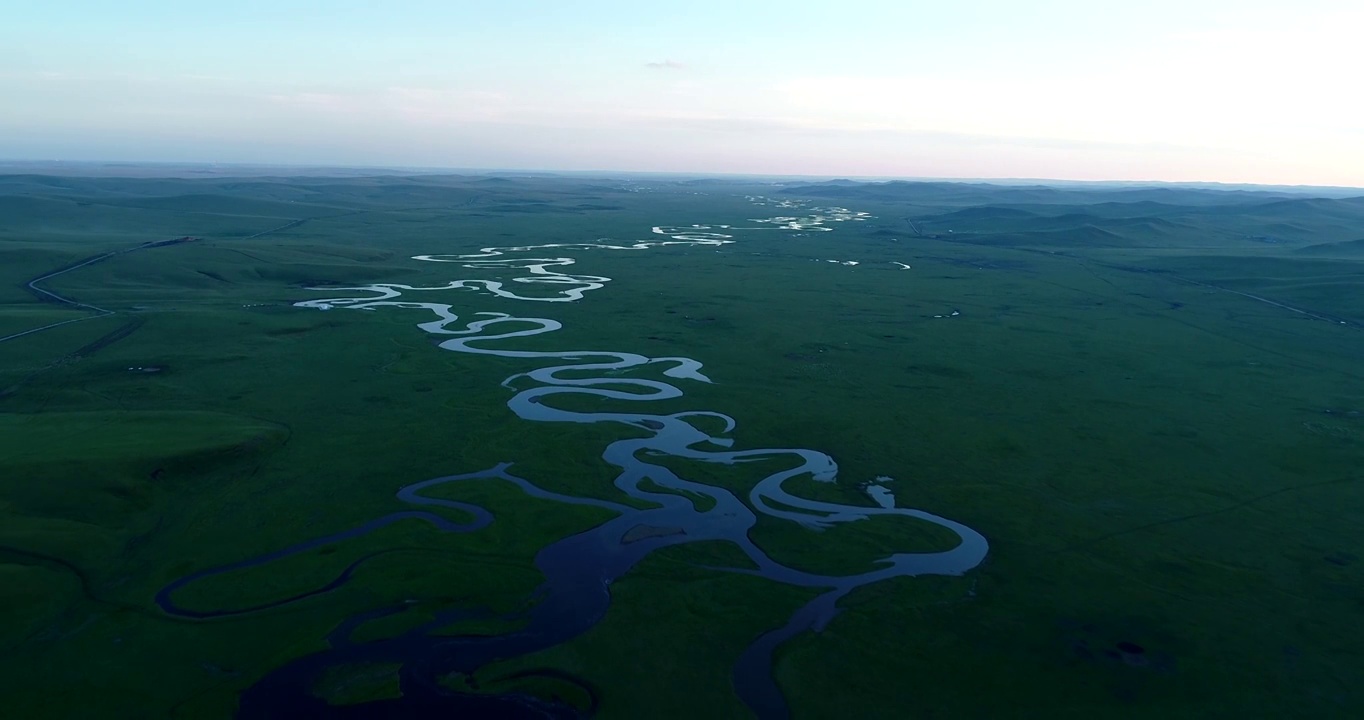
<point x="579" y="569"/>
<point x="50" y="296"/>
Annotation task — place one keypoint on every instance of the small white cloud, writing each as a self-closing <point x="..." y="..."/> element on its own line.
<point x="665" y="65"/>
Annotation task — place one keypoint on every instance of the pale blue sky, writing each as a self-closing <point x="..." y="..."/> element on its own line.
<point x="1246" y="91"/>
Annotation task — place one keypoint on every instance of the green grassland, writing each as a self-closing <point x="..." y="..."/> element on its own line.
<point x="1150" y="402"/>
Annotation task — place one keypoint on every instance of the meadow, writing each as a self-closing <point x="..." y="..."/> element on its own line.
<point x="1148" y="400"/>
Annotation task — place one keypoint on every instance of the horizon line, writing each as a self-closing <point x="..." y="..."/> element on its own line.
<point x="450" y="170"/>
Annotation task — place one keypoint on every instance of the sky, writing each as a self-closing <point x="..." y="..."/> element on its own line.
<point x="1189" y="90"/>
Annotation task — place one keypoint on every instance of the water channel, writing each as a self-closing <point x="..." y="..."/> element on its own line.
<point x="578" y="570"/>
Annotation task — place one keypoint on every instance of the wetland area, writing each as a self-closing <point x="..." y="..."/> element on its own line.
<point x="562" y="447"/>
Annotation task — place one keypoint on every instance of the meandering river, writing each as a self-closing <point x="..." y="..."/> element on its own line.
<point x="578" y="570"/>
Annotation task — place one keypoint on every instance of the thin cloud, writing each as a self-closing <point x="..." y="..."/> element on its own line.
<point x="665" y="65"/>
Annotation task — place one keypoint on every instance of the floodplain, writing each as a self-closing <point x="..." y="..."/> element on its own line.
<point x="612" y="447"/>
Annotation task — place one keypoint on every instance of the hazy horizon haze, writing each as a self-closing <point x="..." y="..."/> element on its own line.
<point x="1217" y="91"/>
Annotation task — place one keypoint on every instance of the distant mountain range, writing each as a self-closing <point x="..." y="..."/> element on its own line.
<point x="976" y="193"/>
